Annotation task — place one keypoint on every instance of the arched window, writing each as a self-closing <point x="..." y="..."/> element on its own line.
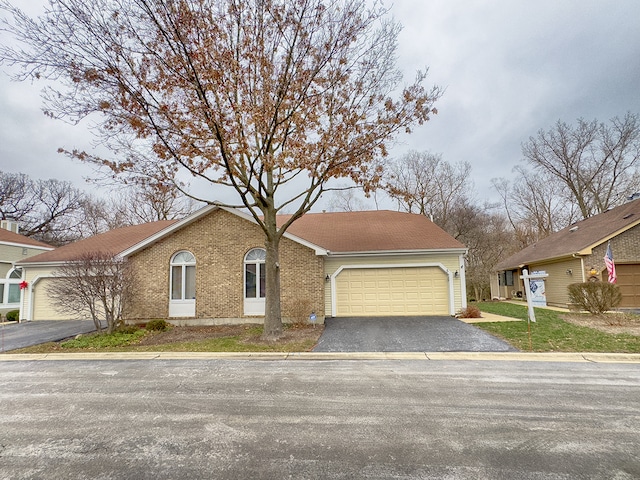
<point x="13" y="294"/>
<point x="254" y="282"/>
<point x="183" y="276"/>
<point x="254" y="273"/>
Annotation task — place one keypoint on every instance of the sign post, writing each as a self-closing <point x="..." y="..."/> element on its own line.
<point x="535" y="280"/>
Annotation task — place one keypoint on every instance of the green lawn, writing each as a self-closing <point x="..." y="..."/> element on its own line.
<point x="248" y="340"/>
<point x="551" y="334"/>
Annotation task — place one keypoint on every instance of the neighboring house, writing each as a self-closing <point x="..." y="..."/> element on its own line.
<point x="576" y="254"/>
<point x="13" y="248"/>
<point x="209" y="267"/>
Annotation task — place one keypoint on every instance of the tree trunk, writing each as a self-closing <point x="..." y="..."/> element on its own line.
<point x="272" y="313"/>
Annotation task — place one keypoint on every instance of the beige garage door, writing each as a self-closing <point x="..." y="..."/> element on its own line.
<point x="392" y="291"/>
<point x="43" y="308"/>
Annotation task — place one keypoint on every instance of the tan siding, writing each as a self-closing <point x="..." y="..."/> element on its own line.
<point x="558" y="280"/>
<point x="12" y="253"/>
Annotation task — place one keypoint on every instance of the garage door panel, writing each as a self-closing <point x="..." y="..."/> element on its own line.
<point x="392" y="291"/>
<point x="629" y="284"/>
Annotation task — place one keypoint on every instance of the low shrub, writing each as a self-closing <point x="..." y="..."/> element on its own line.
<point x="299" y="311"/>
<point x="470" y="312"/>
<point x="13" y="316"/>
<point x="128" y="329"/>
<point x="595" y="297"/>
<point x="157" y="325"/>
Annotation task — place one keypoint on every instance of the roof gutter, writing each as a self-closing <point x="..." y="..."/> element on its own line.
<point x="374" y="253"/>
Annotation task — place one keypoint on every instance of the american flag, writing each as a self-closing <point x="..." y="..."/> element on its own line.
<point x="611" y="267"/>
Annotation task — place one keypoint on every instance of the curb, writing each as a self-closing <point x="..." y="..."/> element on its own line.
<point x="269" y="356"/>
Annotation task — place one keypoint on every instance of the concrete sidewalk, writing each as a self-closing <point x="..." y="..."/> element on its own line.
<point x="584" y="357"/>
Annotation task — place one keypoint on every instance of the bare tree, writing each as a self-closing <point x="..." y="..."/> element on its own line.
<point x="597" y="163"/>
<point x="271" y="98"/>
<point x="153" y="202"/>
<point x="346" y="201"/>
<point x="424" y="183"/>
<point x="96" y="285"/>
<point x="47" y="210"/>
<point x="534" y="205"/>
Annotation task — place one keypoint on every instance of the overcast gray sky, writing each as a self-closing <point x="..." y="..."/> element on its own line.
<point x="510" y="68"/>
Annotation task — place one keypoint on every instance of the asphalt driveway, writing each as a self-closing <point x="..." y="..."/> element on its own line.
<point x="25" y="334"/>
<point x="406" y="334"/>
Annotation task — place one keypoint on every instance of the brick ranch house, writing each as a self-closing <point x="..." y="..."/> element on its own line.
<point x="208" y="268"/>
<point x="576" y="254"/>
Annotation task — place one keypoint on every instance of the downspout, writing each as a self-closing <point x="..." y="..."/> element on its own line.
<point x="581" y="257"/>
<point x="463" y="284"/>
<point x="452" y="305"/>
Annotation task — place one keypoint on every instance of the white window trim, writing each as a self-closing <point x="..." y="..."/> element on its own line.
<point x="253" y="306"/>
<point x="182" y="307"/>
<point x="7" y="281"/>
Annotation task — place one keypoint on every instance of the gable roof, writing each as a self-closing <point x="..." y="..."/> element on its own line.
<point x="371" y="231"/>
<point x="337" y="232"/>
<point x="579" y="238"/>
<point x="11" y="238"/>
<point x="112" y="242"/>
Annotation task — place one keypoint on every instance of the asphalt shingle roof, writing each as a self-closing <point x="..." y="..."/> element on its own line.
<point x="10" y="237"/>
<point x="111" y="242"/>
<point x="577" y="237"/>
<point x="368" y="231"/>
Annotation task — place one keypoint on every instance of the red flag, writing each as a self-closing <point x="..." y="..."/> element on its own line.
<point x="611" y="267"/>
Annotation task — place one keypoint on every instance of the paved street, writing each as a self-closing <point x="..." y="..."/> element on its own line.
<point x="230" y="419"/>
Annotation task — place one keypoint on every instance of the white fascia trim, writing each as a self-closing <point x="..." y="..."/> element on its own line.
<point x="377" y="253"/>
<point x="24" y="245"/>
<point x="200" y="213"/>
<point x="166" y="231"/>
<point x="449" y="273"/>
<point x="38" y="264"/>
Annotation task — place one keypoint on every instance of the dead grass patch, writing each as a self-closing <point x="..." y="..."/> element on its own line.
<point x="613" y="322"/>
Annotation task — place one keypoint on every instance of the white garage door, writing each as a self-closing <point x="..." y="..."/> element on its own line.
<point x="392" y="291"/>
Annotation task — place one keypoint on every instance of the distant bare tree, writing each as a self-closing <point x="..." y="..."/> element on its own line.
<point x="151" y="202"/>
<point x="133" y="205"/>
<point x="96" y="285"/>
<point x="345" y="201"/>
<point x="534" y="205"/>
<point x="424" y="183"/>
<point x="47" y="210"/>
<point x="598" y="164"/>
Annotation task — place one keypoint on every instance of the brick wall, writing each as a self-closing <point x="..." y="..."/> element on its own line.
<point x="625" y="248"/>
<point x="219" y="242"/>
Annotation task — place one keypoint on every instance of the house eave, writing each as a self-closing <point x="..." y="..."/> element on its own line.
<point x="39" y="264"/>
<point x="521" y="265"/>
<point x="25" y="245"/>
<point x="376" y="253"/>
